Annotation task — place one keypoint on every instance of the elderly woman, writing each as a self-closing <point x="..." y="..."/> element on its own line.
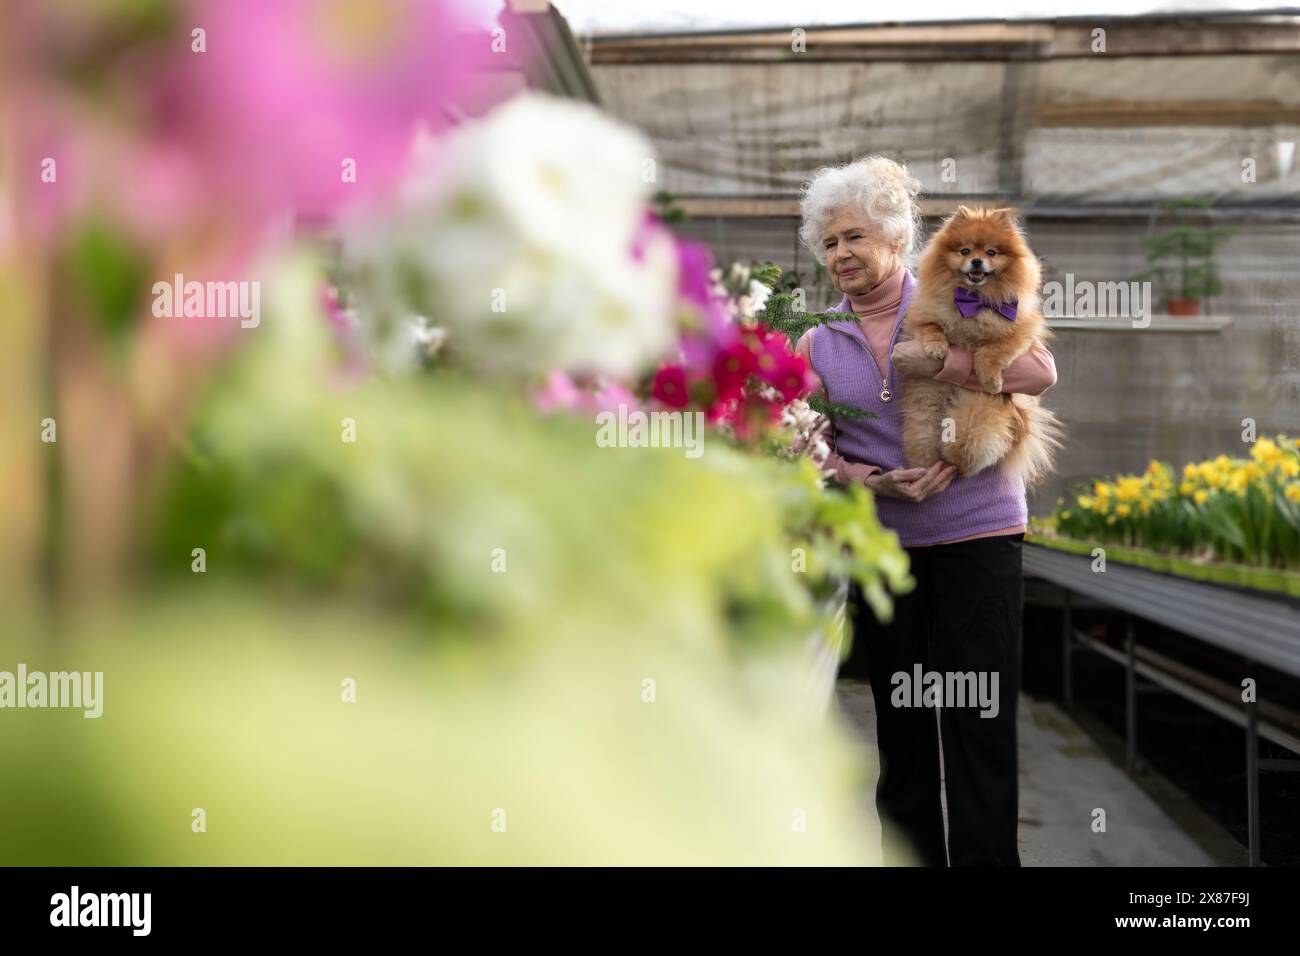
<point x="963" y="534"/>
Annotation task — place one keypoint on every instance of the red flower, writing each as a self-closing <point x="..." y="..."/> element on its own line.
<point x="670" y="386"/>
<point x="731" y="368"/>
<point x="792" y="379"/>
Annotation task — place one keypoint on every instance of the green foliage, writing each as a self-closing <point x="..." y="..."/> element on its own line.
<point x="665" y="206"/>
<point x="111" y="275"/>
<point x="520" y="686"/>
<point x="838" y="409"/>
<point x="782" y="315"/>
<point x="768" y="273"/>
<point x="1181" y="257"/>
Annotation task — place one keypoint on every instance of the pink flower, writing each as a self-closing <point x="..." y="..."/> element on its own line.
<point x="723" y="410"/>
<point x="609" y="396"/>
<point x="306" y="104"/>
<point x="558" y="393"/>
<point x="670" y="386"/>
<point x="791" y="378"/>
<point x="731" y="368"/>
<point x="771" y="354"/>
<point x="694" y="263"/>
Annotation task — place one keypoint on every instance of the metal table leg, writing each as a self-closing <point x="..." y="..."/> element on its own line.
<point x="1130" y="695"/>
<point x="1067" y="645"/>
<point x="1252" y="783"/>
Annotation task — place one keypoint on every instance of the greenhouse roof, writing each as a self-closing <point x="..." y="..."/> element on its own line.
<point x="635" y="17"/>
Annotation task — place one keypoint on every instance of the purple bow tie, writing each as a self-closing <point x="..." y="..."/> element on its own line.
<point x="968" y="303"/>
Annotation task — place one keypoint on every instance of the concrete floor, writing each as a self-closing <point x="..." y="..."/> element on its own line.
<point x="1064" y="775"/>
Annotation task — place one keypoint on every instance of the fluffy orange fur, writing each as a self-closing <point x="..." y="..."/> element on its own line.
<point x="969" y="429"/>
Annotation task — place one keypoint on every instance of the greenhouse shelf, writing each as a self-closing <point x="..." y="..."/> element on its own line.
<point x="1262" y="626"/>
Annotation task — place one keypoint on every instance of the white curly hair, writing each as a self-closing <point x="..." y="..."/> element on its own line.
<point x="881" y="188"/>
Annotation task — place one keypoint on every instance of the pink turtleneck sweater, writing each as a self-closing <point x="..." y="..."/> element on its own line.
<point x="1031" y="374"/>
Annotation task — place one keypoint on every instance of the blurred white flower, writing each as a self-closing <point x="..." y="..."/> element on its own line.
<point x="400" y="346"/>
<point x="517" y="236"/>
<point x="621" y="314"/>
<point x="565" y="173"/>
<point x="754" y="299"/>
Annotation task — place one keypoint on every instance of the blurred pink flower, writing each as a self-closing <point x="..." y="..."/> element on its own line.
<point x="562" y="393"/>
<point x="609" y="396"/>
<point x="694" y="263"/>
<point x="292" y="97"/>
<point x="558" y="394"/>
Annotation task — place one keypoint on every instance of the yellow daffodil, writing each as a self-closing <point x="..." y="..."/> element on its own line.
<point x="1186" y="487"/>
<point x="1123" y="510"/>
<point x="1128" y="488"/>
<point x="1085" y="502"/>
<point x="1265" y="451"/>
<point x="1189" y="470"/>
<point x="1293" y="492"/>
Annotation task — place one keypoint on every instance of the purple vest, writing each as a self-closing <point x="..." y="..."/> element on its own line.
<point x="985" y="502"/>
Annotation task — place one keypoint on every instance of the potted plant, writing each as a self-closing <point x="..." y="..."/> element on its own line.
<point x="1181" y="258"/>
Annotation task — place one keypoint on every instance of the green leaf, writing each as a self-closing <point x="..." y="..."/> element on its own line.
<point x="112" y="275"/>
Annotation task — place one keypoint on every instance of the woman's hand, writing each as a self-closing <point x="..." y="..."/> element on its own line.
<point x="913" y="484"/>
<point x="911" y="360"/>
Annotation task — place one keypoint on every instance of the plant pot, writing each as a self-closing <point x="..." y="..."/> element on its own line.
<point x="1184" y="306"/>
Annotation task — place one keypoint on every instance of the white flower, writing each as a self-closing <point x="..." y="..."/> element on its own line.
<point x="618" y="313"/>
<point x="398" y="348"/>
<point x="518" y="236"/>
<point x="563" y="171"/>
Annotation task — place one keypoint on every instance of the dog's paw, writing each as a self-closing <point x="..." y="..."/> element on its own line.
<point x="937" y="349"/>
<point x="992" y="383"/>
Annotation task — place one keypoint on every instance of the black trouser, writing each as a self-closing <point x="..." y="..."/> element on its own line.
<point x="963" y="616"/>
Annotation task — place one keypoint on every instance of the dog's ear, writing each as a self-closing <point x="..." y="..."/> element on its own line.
<point x="1006" y="215"/>
<point x="964" y="212"/>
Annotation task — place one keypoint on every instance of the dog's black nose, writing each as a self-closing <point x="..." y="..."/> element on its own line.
<point x="977" y="264"/>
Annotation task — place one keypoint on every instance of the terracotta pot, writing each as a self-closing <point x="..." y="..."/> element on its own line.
<point x="1184" y="306"/>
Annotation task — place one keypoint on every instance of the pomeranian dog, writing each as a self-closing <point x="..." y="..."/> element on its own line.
<point x="978" y="289"/>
